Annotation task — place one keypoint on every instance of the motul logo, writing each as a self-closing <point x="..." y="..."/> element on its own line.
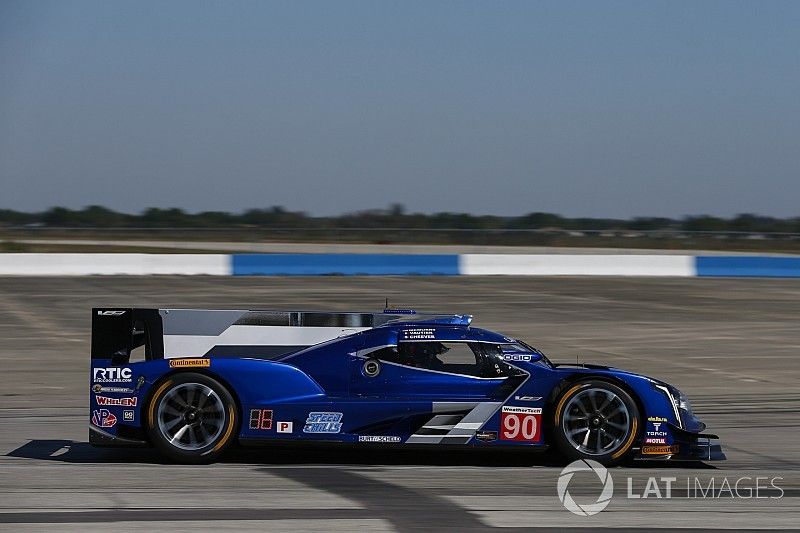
<point x="125" y="402"/>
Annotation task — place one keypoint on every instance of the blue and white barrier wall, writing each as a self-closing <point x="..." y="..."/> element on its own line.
<point x="67" y="264"/>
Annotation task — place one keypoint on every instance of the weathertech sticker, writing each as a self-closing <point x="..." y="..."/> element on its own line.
<point x="486" y="436"/>
<point x="185" y="363"/>
<point x="521" y="424"/>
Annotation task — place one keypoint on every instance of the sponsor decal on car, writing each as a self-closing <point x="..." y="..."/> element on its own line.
<point x="660" y="450"/>
<point x="516" y="357"/>
<point x="103" y="418"/>
<point x="657" y="430"/>
<point x="323" y="422"/>
<point x="528" y="398"/>
<point x="111" y="313"/>
<point x="261" y="419"/>
<point x="284" y="427"/>
<point x="189" y="363"/>
<point x="418" y="334"/>
<point x="522" y="410"/>
<point x="378" y="438"/>
<point x="97" y="388"/>
<point x="655" y="441"/>
<point x="112" y="375"/>
<point x="521" y="423"/>
<point x="127" y="416"/>
<point x="125" y="402"/>
<point x="486" y="436"/>
<point x="656" y="419"/>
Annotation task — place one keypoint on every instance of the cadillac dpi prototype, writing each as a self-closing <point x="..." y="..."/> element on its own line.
<point x="193" y="382"/>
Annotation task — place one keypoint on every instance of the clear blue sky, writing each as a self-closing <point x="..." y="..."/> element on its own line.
<point x="579" y="108"/>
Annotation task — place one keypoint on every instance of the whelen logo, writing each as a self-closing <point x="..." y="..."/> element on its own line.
<point x="186" y="363"/>
<point x="125" y="402"/>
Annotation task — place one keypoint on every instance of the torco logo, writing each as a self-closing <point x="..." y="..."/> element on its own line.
<point x="111" y="375"/>
<point x="185" y="363"/>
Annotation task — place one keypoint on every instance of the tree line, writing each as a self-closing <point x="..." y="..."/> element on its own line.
<point x="395" y="216"/>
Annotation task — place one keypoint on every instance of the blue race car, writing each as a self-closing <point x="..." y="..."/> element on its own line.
<point x="192" y="382"/>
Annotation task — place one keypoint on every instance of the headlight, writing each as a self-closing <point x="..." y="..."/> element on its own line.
<point x="683" y="403"/>
<point x="675" y="396"/>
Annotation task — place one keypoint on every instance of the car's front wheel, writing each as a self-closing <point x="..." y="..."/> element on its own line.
<point x="595" y="420"/>
<point x="191" y="418"/>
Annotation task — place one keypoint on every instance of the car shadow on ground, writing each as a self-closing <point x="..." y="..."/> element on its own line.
<point x="69" y="451"/>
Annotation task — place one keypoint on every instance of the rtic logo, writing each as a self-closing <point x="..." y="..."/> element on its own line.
<point x="111" y="313"/>
<point x="102" y="418"/>
<point x="125" y="402"/>
<point x="112" y="375"/>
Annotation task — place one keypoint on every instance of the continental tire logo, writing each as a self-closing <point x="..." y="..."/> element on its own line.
<point x="588" y="509"/>
<point x="189" y="363"/>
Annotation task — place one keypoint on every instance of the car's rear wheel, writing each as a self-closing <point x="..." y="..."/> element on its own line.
<point x="191" y="418"/>
<point x="595" y="420"/>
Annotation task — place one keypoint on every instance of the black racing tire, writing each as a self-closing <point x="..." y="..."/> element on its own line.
<point x="191" y="418"/>
<point x="595" y="419"/>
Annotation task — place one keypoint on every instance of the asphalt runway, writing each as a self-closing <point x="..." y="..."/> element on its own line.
<point x="731" y="344"/>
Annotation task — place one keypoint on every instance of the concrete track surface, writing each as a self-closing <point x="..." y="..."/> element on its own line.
<point x="732" y="345"/>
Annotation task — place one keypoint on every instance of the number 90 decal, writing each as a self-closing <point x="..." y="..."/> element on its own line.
<point x="521" y="424"/>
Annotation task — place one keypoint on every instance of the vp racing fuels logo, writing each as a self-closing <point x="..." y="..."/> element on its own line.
<point x="321" y="422"/>
<point x="103" y="418"/>
<point x="585" y="465"/>
<point x="112" y="375"/>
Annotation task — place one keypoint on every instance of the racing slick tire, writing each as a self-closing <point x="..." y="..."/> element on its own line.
<point x="191" y="418"/>
<point x="597" y="420"/>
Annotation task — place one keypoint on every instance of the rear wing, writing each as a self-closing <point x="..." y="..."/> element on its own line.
<point x="119" y="332"/>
